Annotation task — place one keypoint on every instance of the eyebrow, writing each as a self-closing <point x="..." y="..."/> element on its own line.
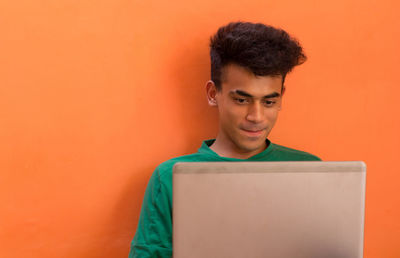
<point x="245" y="94"/>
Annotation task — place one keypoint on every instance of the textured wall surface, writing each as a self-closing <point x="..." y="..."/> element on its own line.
<point x="95" y="94"/>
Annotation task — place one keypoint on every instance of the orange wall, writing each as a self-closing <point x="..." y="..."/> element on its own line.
<point x="95" y="94"/>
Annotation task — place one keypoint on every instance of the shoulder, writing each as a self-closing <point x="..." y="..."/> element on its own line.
<point x="165" y="168"/>
<point x="161" y="179"/>
<point x="288" y="154"/>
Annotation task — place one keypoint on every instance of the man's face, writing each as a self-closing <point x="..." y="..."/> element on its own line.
<point x="248" y="107"/>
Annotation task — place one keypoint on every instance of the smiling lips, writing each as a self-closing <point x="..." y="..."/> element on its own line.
<point x="253" y="133"/>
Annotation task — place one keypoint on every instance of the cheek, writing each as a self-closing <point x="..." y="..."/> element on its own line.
<point x="272" y="114"/>
<point x="235" y="114"/>
<point x="230" y="111"/>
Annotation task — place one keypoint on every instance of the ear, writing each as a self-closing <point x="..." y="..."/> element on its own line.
<point x="211" y="93"/>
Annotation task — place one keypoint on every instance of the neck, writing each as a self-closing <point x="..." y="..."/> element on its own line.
<point x="228" y="149"/>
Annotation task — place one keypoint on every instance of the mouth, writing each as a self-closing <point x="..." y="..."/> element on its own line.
<point x="253" y="133"/>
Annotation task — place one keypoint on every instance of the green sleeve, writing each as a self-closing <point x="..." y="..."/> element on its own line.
<point x="153" y="236"/>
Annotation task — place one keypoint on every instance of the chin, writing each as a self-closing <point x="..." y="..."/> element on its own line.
<point x="253" y="146"/>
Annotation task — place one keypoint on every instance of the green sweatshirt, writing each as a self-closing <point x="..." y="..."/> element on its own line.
<point x="153" y="236"/>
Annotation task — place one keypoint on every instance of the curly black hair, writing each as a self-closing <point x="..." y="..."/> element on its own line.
<point x="263" y="49"/>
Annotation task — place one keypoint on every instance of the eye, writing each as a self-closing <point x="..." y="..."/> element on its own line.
<point x="269" y="103"/>
<point x="240" y="100"/>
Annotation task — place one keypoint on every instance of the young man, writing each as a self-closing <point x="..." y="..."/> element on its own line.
<point x="249" y="63"/>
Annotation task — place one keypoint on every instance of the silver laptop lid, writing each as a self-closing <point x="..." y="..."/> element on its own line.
<point x="268" y="209"/>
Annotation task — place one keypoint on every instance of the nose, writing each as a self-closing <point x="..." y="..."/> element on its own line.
<point x="255" y="113"/>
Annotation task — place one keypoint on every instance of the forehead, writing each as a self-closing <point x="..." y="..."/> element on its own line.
<point x="235" y="77"/>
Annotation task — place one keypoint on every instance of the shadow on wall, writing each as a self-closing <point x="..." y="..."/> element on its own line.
<point x="124" y="216"/>
<point x="198" y="120"/>
<point x="189" y="72"/>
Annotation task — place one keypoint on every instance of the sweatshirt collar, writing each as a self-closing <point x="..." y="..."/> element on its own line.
<point x="205" y="149"/>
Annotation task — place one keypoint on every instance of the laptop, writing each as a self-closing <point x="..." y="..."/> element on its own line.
<point x="268" y="209"/>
